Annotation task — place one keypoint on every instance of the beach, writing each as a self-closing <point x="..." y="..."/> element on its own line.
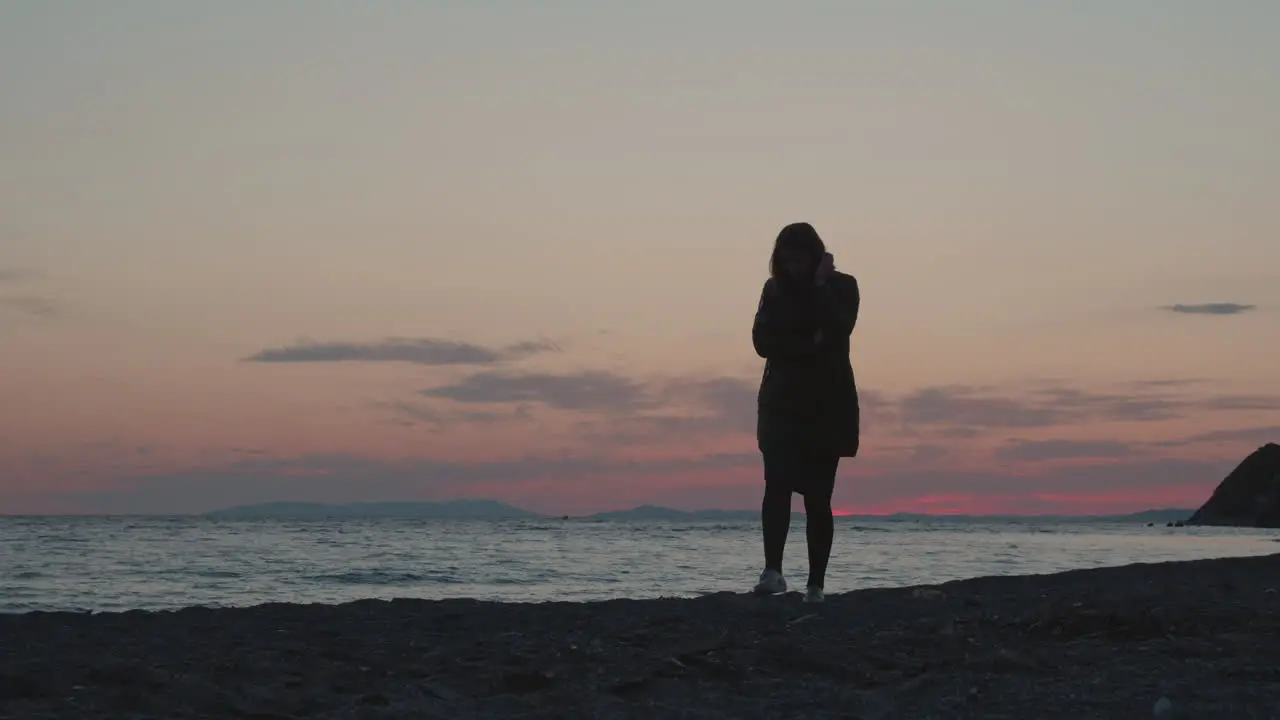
<point x="1197" y="638"/>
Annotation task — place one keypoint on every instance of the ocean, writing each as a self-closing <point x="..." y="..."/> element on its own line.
<point x="150" y="563"/>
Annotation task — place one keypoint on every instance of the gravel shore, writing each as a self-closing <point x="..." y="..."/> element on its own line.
<point x="1190" y="639"/>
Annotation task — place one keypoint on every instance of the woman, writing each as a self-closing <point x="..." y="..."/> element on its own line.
<point x="808" y="401"/>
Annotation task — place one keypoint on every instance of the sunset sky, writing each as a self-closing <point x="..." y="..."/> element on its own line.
<point x="394" y="250"/>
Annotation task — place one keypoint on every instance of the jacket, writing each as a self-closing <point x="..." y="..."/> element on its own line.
<point x="808" y="398"/>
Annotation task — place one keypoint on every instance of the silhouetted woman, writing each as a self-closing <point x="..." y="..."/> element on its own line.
<point x="808" y="401"/>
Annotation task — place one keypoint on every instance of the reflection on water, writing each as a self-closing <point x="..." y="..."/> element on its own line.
<point x="125" y="563"/>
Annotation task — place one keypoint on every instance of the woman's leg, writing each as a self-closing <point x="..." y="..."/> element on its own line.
<point x="820" y="525"/>
<point x="775" y="509"/>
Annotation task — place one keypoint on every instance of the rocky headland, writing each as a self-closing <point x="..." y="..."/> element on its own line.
<point x="1249" y="496"/>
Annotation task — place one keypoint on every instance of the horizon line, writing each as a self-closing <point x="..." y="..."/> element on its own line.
<point x="644" y="506"/>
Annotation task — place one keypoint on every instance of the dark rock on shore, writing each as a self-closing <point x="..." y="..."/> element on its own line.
<point x="1190" y="639"/>
<point x="1249" y="496"/>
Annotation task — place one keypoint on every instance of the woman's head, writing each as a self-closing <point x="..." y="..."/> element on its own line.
<point x="796" y="252"/>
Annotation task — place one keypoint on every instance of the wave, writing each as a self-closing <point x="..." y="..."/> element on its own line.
<point x="383" y="577"/>
<point x="218" y="574"/>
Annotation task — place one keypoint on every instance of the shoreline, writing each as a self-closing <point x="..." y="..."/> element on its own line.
<point x="1104" y="642"/>
<point x="124" y="565"/>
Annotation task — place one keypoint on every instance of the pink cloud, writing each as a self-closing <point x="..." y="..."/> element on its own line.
<point x="684" y="443"/>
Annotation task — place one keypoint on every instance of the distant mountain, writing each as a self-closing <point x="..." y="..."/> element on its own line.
<point x="1249" y="496"/>
<point x="653" y="512"/>
<point x="1145" y="516"/>
<point x="1158" y="517"/>
<point x="494" y="510"/>
<point x="455" y="509"/>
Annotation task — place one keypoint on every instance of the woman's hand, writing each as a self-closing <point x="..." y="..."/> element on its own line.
<point x="826" y="266"/>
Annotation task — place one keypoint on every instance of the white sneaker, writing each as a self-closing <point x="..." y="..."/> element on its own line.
<point x="813" y="594"/>
<point x="771" y="583"/>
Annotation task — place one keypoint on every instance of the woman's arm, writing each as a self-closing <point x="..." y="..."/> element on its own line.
<point x="772" y="336"/>
<point x="838" y="303"/>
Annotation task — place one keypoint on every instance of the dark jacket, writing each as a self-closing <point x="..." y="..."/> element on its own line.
<point x="808" y="400"/>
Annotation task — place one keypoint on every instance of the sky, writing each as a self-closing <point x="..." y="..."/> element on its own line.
<point x="394" y="250"/>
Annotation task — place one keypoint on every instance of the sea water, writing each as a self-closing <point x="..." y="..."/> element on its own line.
<point x="123" y="563"/>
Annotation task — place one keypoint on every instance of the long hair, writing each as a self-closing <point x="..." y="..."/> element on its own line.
<point x="797" y="237"/>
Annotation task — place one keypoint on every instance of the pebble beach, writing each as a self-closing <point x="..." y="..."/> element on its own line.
<point x="1175" y="639"/>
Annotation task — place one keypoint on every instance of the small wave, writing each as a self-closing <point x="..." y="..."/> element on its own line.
<point x="28" y="575"/>
<point x="186" y="573"/>
<point x="516" y="581"/>
<point x="381" y="577"/>
<point x="219" y="574"/>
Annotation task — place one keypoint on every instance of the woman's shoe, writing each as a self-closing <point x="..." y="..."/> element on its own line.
<point x="771" y="583"/>
<point x="813" y="594"/>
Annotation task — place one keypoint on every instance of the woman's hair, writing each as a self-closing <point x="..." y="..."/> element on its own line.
<point x="798" y="238"/>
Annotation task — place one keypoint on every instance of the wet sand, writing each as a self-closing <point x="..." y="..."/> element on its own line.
<point x="1109" y="643"/>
